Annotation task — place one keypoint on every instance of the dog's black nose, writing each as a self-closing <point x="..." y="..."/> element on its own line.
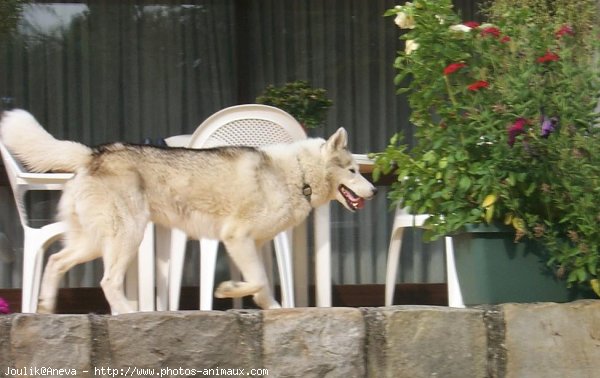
<point x="375" y="190"/>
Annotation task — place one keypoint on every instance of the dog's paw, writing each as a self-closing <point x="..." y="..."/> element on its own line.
<point x="266" y="301"/>
<point x="274" y="306"/>
<point x="236" y="289"/>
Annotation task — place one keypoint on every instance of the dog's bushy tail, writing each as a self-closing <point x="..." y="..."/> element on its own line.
<point x="22" y="134"/>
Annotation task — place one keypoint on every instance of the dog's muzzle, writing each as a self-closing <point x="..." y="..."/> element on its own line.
<point x="353" y="200"/>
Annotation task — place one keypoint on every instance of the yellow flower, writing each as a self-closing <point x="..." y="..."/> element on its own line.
<point x="488" y="205"/>
<point x="489" y="200"/>
<point x="596" y="286"/>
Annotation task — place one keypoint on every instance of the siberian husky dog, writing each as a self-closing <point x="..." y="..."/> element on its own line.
<point x="242" y="196"/>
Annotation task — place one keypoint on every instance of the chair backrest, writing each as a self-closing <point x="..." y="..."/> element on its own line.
<point x="22" y="181"/>
<point x="13" y="169"/>
<point x="251" y="125"/>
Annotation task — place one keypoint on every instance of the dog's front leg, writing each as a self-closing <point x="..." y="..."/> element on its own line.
<point x="245" y="255"/>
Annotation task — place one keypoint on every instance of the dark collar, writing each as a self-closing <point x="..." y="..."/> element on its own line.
<point x="306" y="188"/>
<point x="307" y="191"/>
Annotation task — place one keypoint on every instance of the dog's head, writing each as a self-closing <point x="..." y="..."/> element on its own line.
<point x="350" y="188"/>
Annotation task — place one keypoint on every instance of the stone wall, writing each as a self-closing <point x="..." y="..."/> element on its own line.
<point x="513" y="340"/>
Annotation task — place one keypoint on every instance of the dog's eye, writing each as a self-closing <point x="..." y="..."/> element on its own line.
<point x="352" y="170"/>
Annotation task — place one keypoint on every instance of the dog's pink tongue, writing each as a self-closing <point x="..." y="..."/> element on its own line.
<point x="360" y="203"/>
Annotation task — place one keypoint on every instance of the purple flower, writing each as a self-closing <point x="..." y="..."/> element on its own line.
<point x="4" y="307"/>
<point x="517" y="128"/>
<point x="549" y="125"/>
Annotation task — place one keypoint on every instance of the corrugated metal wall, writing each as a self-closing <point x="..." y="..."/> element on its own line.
<point x="124" y="70"/>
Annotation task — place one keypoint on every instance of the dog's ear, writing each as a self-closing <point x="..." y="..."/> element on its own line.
<point x="338" y="141"/>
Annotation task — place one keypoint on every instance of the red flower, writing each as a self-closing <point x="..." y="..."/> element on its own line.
<point x="451" y="68"/>
<point x="548" y="57"/>
<point x="471" y="24"/>
<point x="564" y="30"/>
<point x="517" y="128"/>
<point x="505" y="39"/>
<point x="491" y="31"/>
<point x="478" y="85"/>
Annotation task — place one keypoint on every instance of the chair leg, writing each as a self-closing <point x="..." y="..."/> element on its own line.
<point x="454" y="294"/>
<point x="323" y="256"/>
<point x="177" y="256"/>
<point x="37" y="278"/>
<point x="284" y="264"/>
<point x="146" y="294"/>
<point x="392" y="264"/>
<point x="29" y="269"/>
<point x="208" y="262"/>
<point x="33" y="260"/>
<point x="35" y="244"/>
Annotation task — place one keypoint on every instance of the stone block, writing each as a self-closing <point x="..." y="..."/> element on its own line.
<point x="180" y="343"/>
<point x="553" y="340"/>
<point x="314" y="342"/>
<point x="423" y="341"/>
<point x="5" y="359"/>
<point x="41" y="345"/>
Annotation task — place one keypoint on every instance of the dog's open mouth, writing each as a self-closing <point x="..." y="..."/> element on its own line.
<point x="354" y="202"/>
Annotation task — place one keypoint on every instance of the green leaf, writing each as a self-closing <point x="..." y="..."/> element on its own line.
<point x="430" y="156"/>
<point x="581" y="275"/>
<point x="530" y="189"/>
<point x="464" y="183"/>
<point x="578" y="275"/>
<point x="572" y="276"/>
<point x="511" y="179"/>
<point x="376" y="174"/>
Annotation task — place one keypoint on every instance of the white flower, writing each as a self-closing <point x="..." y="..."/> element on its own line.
<point x="440" y="19"/>
<point x="408" y="4"/>
<point x="404" y="21"/>
<point x="409" y="46"/>
<point x="460" y="28"/>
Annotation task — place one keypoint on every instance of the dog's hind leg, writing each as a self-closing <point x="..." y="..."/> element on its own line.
<point x="118" y="252"/>
<point x="245" y="255"/>
<point x="75" y="252"/>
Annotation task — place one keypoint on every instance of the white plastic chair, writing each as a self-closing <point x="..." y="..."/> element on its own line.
<point x="248" y="125"/>
<point x="402" y="220"/>
<point x="37" y="240"/>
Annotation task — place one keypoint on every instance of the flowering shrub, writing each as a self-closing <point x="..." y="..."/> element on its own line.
<point x="505" y="125"/>
<point x="4" y="307"/>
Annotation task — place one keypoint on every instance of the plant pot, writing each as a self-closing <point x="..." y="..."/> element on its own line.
<point x="491" y="268"/>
